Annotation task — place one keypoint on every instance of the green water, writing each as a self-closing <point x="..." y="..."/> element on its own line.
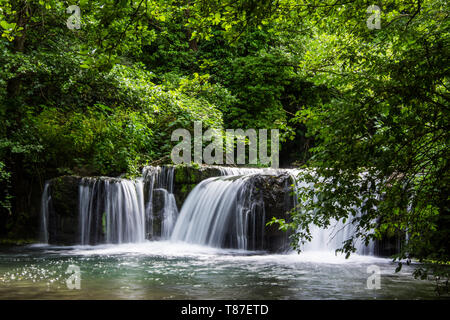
<point x="164" y="270"/>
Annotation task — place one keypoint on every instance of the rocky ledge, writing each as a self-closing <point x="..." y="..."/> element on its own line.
<point x="272" y="192"/>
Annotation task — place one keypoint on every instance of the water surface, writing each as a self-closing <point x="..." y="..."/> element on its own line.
<point x="168" y="270"/>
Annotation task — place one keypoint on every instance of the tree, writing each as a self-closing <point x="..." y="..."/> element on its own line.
<point x="382" y="139"/>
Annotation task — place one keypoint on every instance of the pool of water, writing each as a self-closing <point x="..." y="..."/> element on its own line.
<point x="167" y="270"/>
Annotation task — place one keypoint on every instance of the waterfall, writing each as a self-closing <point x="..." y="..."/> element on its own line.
<point x="219" y="212"/>
<point x="159" y="177"/>
<point x="229" y="210"/>
<point x="233" y="171"/>
<point x="169" y="213"/>
<point x="215" y="203"/>
<point x="45" y="203"/>
<point x="159" y="181"/>
<point x="111" y="210"/>
<point x="333" y="237"/>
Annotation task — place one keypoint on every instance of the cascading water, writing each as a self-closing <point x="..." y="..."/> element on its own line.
<point x="114" y="210"/>
<point x="111" y="210"/>
<point x="159" y="181"/>
<point x="224" y="211"/>
<point x="333" y="237"/>
<point x="159" y="177"/>
<point x="45" y="202"/>
<point x="232" y="171"/>
<point x="220" y="213"/>
<point x="169" y="213"/>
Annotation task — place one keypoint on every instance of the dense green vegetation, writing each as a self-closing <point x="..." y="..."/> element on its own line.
<point x="366" y="109"/>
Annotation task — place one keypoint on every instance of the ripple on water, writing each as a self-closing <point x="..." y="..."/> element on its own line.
<point x="167" y="270"/>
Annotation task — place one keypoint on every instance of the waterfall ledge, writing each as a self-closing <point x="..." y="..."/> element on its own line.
<point x="79" y="210"/>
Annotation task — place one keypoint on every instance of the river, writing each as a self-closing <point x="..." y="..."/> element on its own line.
<point x="173" y="270"/>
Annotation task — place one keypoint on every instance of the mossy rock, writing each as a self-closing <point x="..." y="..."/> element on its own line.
<point x="187" y="177"/>
<point x="194" y="175"/>
<point x="275" y="192"/>
<point x="63" y="210"/>
<point x="181" y="192"/>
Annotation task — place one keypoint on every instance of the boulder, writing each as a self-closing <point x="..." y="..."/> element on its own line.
<point x="275" y="193"/>
<point x="187" y="177"/>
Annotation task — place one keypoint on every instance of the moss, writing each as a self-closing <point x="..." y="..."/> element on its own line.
<point x="180" y="176"/>
<point x="195" y="165"/>
<point x="104" y="222"/>
<point x="17" y="242"/>
<point x="184" y="188"/>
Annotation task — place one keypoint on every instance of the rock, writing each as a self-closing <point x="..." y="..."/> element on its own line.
<point x="187" y="177"/>
<point x="63" y="210"/>
<point x="270" y="198"/>
<point x="193" y="175"/>
<point x="389" y="245"/>
<point x="163" y="216"/>
<point x="157" y="213"/>
<point x="275" y="193"/>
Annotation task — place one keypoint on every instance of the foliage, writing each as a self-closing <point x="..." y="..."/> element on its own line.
<point x="81" y="101"/>
<point x="382" y="138"/>
<point x="366" y="109"/>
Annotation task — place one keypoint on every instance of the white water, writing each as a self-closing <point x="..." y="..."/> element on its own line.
<point x="169" y="214"/>
<point x="168" y="270"/>
<point x="190" y="259"/>
<point x="216" y="207"/>
<point x="161" y="179"/>
<point x="215" y="203"/>
<point x="217" y="213"/>
<point x="45" y="201"/>
<point x="183" y="249"/>
<point x="231" y="171"/>
<point x="333" y="237"/>
<point x="116" y="206"/>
